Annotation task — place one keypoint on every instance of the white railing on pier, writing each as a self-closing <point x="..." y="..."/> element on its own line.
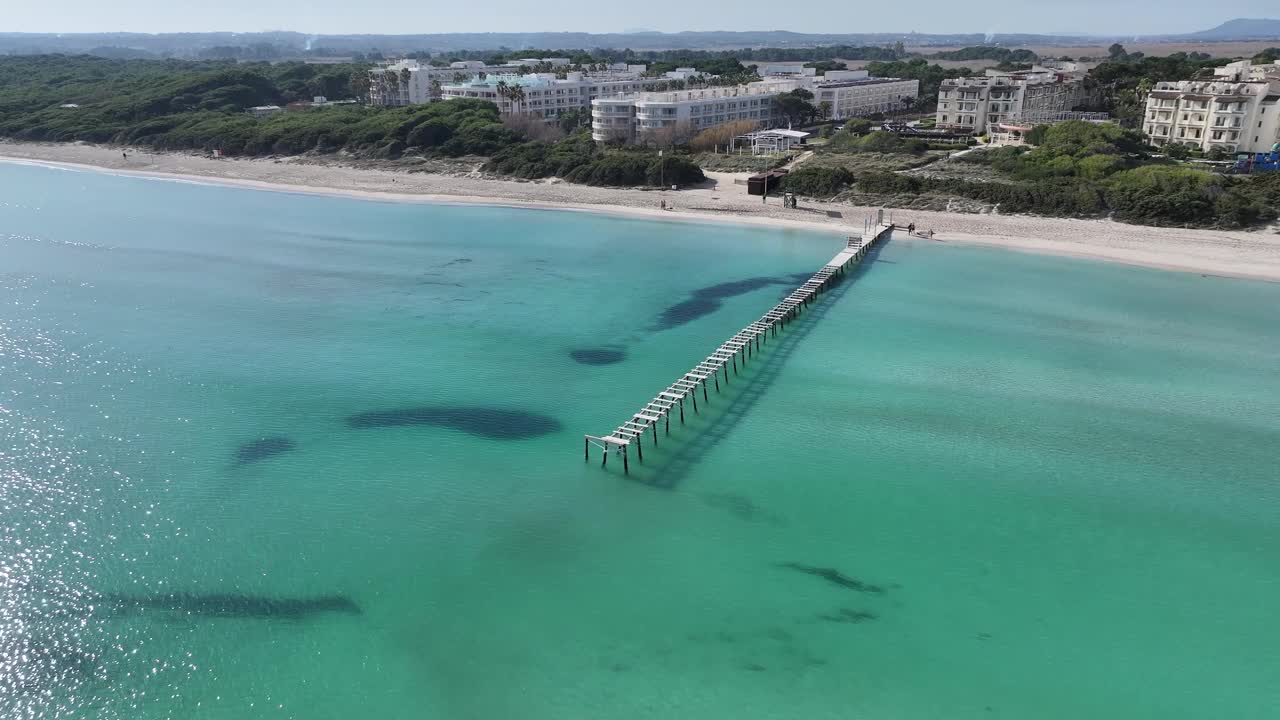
<point x="737" y="349"/>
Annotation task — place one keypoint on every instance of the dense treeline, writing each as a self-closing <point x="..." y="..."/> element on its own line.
<point x="930" y="77"/>
<point x="194" y="105"/>
<point x="1122" y="83"/>
<point x="578" y="159"/>
<point x="1084" y="169"/>
<point x="986" y="52"/>
<point x="180" y="105"/>
<point x="1150" y="195"/>
<point x="116" y="98"/>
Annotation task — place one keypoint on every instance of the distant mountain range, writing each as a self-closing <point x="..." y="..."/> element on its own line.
<point x="272" y="45"/>
<point x="1240" y="29"/>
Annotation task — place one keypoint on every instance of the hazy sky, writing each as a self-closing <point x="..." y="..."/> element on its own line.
<point x="418" y="16"/>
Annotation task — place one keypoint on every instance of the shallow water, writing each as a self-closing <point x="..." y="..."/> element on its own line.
<point x="269" y="455"/>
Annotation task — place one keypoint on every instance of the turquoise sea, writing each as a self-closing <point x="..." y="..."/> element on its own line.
<point x="279" y="456"/>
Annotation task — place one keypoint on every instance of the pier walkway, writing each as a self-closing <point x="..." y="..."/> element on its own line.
<point x="736" y="350"/>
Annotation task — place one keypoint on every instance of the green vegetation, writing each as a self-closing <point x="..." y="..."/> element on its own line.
<point x="796" y="106"/>
<point x="1080" y="169"/>
<point x="930" y="77"/>
<point x="735" y="162"/>
<point x="578" y="159"/>
<point x="822" y="66"/>
<point x="1124" y="81"/>
<point x="987" y="52"/>
<point x="855" y="151"/>
<point x="726" y="67"/>
<point x="879" y="141"/>
<point x="857" y="126"/>
<point x="172" y="105"/>
<point x="817" y="181"/>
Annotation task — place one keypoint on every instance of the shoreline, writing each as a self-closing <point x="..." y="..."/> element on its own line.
<point x="1253" y="255"/>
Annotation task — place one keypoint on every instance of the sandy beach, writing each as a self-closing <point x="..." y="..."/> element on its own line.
<point x="1254" y="255"/>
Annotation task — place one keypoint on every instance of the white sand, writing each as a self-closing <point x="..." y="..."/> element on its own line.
<point x="1234" y="254"/>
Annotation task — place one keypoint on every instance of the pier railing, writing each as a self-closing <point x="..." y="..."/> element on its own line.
<point x="735" y="351"/>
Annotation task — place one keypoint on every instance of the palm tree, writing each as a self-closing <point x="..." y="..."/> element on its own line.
<point x="516" y="93"/>
<point x="360" y="83"/>
<point x="504" y="92"/>
<point x="391" y="87"/>
<point x="404" y="84"/>
<point x="436" y="88"/>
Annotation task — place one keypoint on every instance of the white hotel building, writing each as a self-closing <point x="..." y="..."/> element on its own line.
<point x="1237" y="111"/>
<point x="547" y="96"/>
<point x="979" y="104"/>
<point x="408" y="82"/>
<point x="852" y="93"/>
<point x="630" y="119"/>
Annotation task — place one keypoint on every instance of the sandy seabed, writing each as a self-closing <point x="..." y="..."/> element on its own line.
<point x="1252" y="254"/>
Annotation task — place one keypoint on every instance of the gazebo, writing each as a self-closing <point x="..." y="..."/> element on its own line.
<point x="770" y="141"/>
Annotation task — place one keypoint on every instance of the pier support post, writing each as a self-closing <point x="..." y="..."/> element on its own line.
<point x="668" y="417"/>
<point x="705" y="399"/>
<point x="586" y="450"/>
<point x="626" y="466"/>
<point x="695" y="403"/>
<point x="735" y="364"/>
<point x="639" y="448"/>
<point x="655" y="434"/>
<point x="717" y="377"/>
<point x="681" y="411"/>
<point x="604" y="457"/>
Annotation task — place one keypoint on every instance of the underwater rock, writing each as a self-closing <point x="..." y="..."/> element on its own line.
<point x="492" y="423"/>
<point x="597" y="355"/>
<point x="706" y="300"/>
<point x="848" y="615"/>
<point x="263" y="448"/>
<point x="835" y="577"/>
<point x="226" y="605"/>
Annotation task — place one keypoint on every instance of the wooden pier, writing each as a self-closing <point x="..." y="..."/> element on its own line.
<point x="735" y="351"/>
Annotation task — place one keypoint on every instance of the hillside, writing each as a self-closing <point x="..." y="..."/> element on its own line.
<point x="1240" y="29"/>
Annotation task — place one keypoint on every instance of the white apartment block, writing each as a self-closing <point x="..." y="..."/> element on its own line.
<point x="547" y="96"/>
<point x="409" y="82"/>
<point x="1237" y="111"/>
<point x="851" y="93"/>
<point x="635" y="117"/>
<point x="976" y="104"/>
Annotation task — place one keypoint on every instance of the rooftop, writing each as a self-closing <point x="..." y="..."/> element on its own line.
<point x="712" y="93"/>
<point x="852" y="83"/>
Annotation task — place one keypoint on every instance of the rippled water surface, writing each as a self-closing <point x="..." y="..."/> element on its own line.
<point x="276" y="456"/>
